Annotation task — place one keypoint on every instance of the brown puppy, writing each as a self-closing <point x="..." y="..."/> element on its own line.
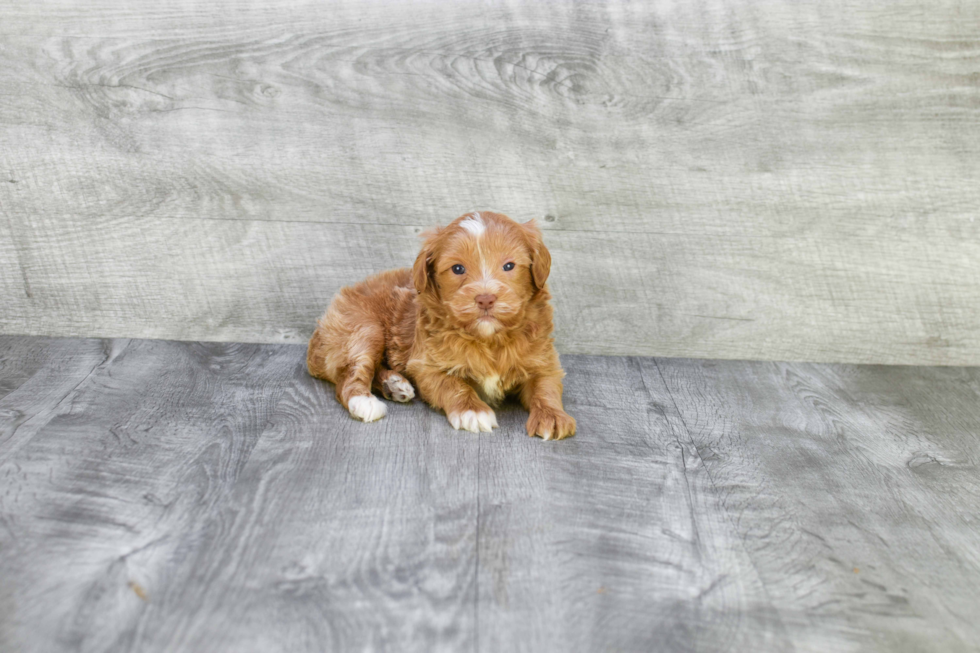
<point x="467" y="325"/>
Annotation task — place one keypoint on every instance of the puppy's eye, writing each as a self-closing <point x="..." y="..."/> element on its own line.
<point x="508" y="266"/>
<point x="458" y="269"/>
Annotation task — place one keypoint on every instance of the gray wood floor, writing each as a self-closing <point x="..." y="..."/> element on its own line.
<point x="159" y="495"/>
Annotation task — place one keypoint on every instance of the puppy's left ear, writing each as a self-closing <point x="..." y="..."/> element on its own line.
<point x="540" y="256"/>
<point x="422" y="270"/>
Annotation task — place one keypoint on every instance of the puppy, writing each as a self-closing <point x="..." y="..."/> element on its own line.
<point x="468" y="324"/>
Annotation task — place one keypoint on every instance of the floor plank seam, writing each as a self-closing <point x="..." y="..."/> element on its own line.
<point x="4" y="456"/>
<point x="476" y="602"/>
<point x="728" y="516"/>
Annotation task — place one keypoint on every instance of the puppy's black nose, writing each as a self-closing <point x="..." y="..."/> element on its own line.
<point x="485" y="302"/>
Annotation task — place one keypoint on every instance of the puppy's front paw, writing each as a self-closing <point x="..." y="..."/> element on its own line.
<point x="473" y="420"/>
<point x="550" y="424"/>
<point x="367" y="408"/>
<point x="397" y="388"/>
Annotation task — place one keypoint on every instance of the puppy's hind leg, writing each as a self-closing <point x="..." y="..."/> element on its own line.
<point x="393" y="385"/>
<point x="364" y="352"/>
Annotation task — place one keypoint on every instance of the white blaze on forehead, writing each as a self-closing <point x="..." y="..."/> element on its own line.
<point x="474" y="224"/>
<point x="476" y="227"/>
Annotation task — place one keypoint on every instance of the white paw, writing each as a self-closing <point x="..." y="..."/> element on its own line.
<point x="398" y="388"/>
<point x="367" y="408"/>
<point x="472" y="420"/>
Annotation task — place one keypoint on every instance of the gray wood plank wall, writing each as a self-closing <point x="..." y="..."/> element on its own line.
<point x="731" y="179"/>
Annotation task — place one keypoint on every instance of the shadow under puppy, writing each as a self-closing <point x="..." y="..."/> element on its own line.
<point x="469" y="323"/>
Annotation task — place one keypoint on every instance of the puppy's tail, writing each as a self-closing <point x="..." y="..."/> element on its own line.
<point x="316" y="355"/>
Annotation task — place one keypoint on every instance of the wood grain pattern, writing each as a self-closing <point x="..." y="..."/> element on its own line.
<point x="338" y="536"/>
<point x="36" y="380"/>
<point x="189" y="496"/>
<point x="616" y="541"/>
<point x="843" y="474"/>
<point x="145" y="515"/>
<point x="134" y="464"/>
<point x="787" y="181"/>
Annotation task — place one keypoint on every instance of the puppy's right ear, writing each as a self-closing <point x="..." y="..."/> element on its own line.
<point x="422" y="272"/>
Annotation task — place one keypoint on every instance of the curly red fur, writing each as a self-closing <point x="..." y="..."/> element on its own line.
<point x="427" y="324"/>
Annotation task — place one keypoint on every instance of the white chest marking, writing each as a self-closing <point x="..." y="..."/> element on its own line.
<point x="492" y="389"/>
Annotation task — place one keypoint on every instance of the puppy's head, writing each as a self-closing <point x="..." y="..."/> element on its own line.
<point x="481" y="271"/>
